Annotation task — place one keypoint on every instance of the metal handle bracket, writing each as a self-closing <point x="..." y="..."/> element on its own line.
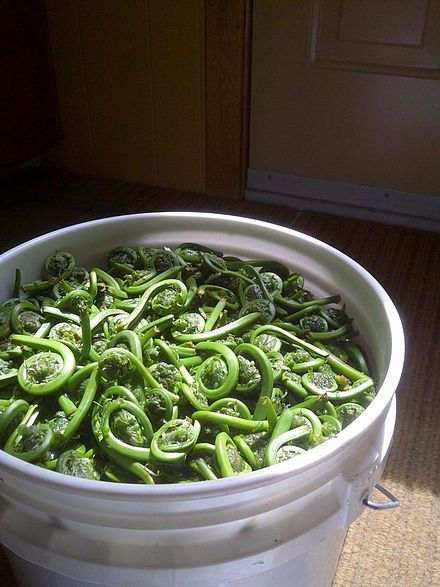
<point x="377" y="505"/>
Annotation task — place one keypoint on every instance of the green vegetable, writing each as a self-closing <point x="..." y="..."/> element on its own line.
<point x="173" y="365"/>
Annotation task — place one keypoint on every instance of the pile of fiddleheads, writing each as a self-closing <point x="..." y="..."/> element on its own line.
<point x="173" y="365"/>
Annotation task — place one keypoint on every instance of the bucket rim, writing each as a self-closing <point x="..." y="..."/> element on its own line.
<point x="269" y="475"/>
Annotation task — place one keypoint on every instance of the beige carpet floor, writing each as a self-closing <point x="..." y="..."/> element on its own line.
<point x="395" y="548"/>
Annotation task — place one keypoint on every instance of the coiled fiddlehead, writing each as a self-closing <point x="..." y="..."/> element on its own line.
<point x="75" y="463"/>
<point x="217" y="376"/>
<point x="174" y="440"/>
<point x="26" y="318"/>
<point x="123" y="427"/>
<point x="59" y="266"/>
<point x="29" y="442"/>
<point x="48" y="370"/>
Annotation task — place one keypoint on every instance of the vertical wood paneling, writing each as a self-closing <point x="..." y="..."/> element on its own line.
<point x="76" y="150"/>
<point x="154" y="91"/>
<point x="202" y="90"/>
<point x="174" y="35"/>
<point x="114" y="49"/>
<point x="227" y="41"/>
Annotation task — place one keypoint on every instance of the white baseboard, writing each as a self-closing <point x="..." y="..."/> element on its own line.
<point x="344" y="199"/>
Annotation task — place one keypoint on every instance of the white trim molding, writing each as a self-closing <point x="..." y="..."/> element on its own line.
<point x="344" y="199"/>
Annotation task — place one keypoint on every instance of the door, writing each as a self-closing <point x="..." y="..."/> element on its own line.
<point x="348" y="90"/>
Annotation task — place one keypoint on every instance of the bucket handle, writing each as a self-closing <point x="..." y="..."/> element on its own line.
<point x="377" y="505"/>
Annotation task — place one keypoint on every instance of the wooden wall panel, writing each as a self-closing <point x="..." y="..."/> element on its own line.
<point x="176" y="42"/>
<point x="131" y="83"/>
<point x="114" y="50"/>
<point x="227" y="69"/>
<point x="76" y="150"/>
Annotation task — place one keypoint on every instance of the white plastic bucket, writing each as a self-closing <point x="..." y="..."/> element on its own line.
<point x="283" y="525"/>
